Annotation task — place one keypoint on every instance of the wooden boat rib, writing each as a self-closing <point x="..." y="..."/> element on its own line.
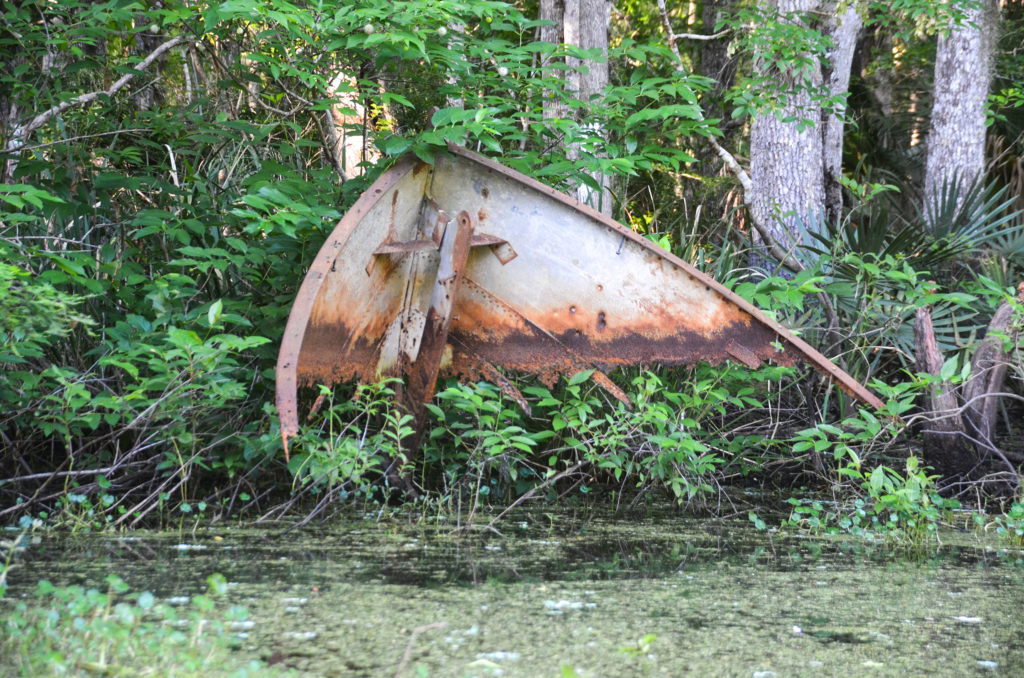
<point x="466" y="266"/>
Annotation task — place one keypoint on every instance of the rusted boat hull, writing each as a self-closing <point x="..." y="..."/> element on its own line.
<point x="548" y="287"/>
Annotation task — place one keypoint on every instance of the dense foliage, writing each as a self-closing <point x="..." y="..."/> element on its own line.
<point x="171" y="168"/>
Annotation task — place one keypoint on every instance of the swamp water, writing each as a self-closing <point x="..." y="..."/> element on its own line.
<point x="556" y="594"/>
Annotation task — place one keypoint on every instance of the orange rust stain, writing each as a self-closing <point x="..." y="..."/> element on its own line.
<point x="366" y="317"/>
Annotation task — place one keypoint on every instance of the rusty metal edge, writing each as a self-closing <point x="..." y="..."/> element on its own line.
<point x="298" y="319"/>
<point x="845" y="382"/>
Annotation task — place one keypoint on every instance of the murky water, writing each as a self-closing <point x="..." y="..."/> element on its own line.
<point x="559" y="595"/>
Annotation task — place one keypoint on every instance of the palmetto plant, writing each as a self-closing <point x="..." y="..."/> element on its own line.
<point x="957" y="222"/>
<point x="938" y="239"/>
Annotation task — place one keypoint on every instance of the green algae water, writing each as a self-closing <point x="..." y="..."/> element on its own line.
<point x="554" y="594"/>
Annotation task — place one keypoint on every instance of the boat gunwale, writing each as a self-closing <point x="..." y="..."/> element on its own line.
<point x="286" y="371"/>
<point x="847" y="383"/>
<point x="302" y="307"/>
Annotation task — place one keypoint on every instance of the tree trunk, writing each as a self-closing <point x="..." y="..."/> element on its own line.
<point x="956" y="153"/>
<point x="581" y="23"/>
<point x="963" y="70"/>
<point x="945" y="447"/>
<point x="346" y="126"/>
<point x="844" y="29"/>
<point x="786" y="158"/>
<point x="719" y="65"/>
<point x="9" y="115"/>
<point x="795" y="166"/>
<point x="959" y="437"/>
<point x="988" y="375"/>
<point x="147" y="95"/>
<point x="715" y="61"/>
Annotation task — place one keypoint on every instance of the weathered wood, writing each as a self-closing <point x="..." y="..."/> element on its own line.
<point x="988" y="374"/>
<point x="944" y="446"/>
<point x="959" y="434"/>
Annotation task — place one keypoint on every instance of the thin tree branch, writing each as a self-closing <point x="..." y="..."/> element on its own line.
<point x="22" y="132"/>
<point x="701" y="36"/>
<point x="672" y="36"/>
<point x="71" y="139"/>
<point x="747" y="184"/>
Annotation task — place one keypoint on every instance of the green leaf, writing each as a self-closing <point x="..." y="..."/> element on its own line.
<point x="213" y="315"/>
<point x="146" y="600"/>
<point x="395" y="145"/>
<point x="877" y="480"/>
<point x="949" y="369"/>
<point x="580" y="377"/>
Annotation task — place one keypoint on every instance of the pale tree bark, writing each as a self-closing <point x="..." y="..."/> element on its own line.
<point x="963" y="70"/>
<point x="957" y="444"/>
<point x="584" y="24"/>
<point x="795" y="168"/>
<point x="785" y="158"/>
<point x="346" y="125"/>
<point x="844" y="28"/>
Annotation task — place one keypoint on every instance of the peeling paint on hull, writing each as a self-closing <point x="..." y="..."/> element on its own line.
<point x="548" y="287"/>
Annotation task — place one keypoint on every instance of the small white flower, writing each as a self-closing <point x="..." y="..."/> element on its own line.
<point x="502" y="71"/>
<point x="442" y="31"/>
<point x="368" y="29"/>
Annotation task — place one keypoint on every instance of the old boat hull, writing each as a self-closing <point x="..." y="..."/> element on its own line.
<point x="548" y="286"/>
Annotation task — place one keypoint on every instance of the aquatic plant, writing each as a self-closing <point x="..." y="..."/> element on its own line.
<point x="77" y="631"/>
<point x="1010" y="525"/>
<point x="901" y="505"/>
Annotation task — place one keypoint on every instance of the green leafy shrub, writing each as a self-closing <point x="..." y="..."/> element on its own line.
<point x="352" y="439"/>
<point x="1010" y="525"/>
<point x="678" y="435"/>
<point x="902" y="506"/>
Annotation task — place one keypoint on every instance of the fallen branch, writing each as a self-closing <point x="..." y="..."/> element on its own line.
<point x="22" y="132"/>
<point x="412" y="640"/>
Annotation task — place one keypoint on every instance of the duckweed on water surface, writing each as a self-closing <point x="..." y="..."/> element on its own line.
<point x="558" y="596"/>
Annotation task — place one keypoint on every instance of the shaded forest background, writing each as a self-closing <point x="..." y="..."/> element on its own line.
<point x="171" y="168"/>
